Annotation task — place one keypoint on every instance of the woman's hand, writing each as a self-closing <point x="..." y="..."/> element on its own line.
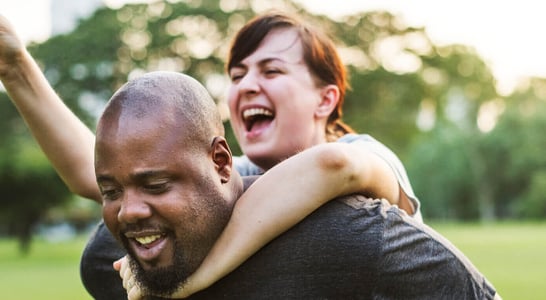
<point x="129" y="282"/>
<point x="11" y="47"/>
<point x="134" y="292"/>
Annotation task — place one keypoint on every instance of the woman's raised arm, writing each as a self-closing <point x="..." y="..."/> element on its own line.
<point x="66" y="141"/>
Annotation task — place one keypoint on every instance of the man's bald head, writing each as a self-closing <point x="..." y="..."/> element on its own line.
<point x="169" y="98"/>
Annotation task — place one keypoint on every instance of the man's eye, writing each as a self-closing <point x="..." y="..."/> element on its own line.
<point x="157" y="188"/>
<point x="110" y="194"/>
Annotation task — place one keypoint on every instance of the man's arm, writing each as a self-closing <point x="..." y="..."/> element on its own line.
<point x="65" y="140"/>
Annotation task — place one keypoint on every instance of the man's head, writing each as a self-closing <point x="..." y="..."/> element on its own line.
<point x="164" y="170"/>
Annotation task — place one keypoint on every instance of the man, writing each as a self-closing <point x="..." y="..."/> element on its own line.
<point x="167" y="194"/>
<point x="165" y="173"/>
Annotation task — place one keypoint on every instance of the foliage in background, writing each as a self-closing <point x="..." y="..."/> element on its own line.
<point x="28" y="184"/>
<point x="471" y="153"/>
<point x="515" y="154"/>
<point x="499" y="174"/>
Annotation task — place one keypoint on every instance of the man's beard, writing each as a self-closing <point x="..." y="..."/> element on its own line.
<point x="161" y="281"/>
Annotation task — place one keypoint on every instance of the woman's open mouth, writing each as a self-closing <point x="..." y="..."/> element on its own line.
<point x="256" y="119"/>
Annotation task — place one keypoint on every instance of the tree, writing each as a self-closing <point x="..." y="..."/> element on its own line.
<point x="472" y="174"/>
<point x="28" y="184"/>
<point x="515" y="154"/>
<point x="444" y="175"/>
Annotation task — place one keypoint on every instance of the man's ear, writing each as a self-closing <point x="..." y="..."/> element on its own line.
<point x="222" y="158"/>
<point x="328" y="102"/>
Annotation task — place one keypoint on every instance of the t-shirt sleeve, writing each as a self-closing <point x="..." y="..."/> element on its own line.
<point x="245" y="167"/>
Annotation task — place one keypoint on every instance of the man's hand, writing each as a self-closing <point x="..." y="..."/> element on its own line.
<point x="11" y="47"/>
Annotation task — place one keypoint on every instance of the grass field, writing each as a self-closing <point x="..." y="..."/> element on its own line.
<point x="50" y="271"/>
<point x="511" y="255"/>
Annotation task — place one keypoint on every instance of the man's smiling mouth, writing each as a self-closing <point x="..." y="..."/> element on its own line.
<point x="147" y="240"/>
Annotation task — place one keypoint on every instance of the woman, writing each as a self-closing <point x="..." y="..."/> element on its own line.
<point x="287" y="90"/>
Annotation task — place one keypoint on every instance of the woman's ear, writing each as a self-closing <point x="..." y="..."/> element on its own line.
<point x="329" y="100"/>
<point x="222" y="158"/>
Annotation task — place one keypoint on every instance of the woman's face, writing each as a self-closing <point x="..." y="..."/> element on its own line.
<point x="273" y="101"/>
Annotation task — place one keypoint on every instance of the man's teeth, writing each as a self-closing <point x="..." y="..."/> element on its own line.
<point x="147" y="239"/>
<point x="256" y="111"/>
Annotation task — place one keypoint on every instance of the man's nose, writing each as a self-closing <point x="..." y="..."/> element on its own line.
<point x="133" y="207"/>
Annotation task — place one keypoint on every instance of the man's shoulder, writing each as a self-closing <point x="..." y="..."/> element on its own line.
<point x="347" y="215"/>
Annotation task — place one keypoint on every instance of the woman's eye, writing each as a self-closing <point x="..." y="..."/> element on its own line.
<point x="272" y="71"/>
<point x="236" y="75"/>
<point x="235" y="78"/>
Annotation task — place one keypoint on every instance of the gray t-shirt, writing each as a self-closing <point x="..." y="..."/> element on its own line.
<point x="355" y="248"/>
<point x="245" y="167"/>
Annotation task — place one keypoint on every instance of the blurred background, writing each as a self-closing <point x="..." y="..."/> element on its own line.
<point x="457" y="90"/>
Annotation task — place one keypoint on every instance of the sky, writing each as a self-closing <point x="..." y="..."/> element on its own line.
<point x="506" y="34"/>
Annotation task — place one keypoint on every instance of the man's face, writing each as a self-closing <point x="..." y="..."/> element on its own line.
<point x="161" y="198"/>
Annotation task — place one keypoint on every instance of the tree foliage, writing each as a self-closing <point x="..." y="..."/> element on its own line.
<point x="28" y="184"/>
<point x="515" y="151"/>
<point x="470" y="174"/>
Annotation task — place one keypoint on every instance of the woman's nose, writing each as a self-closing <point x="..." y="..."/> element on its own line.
<point x="249" y="84"/>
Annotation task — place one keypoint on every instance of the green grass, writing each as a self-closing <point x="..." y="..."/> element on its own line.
<point x="510" y="255"/>
<point x="50" y="271"/>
